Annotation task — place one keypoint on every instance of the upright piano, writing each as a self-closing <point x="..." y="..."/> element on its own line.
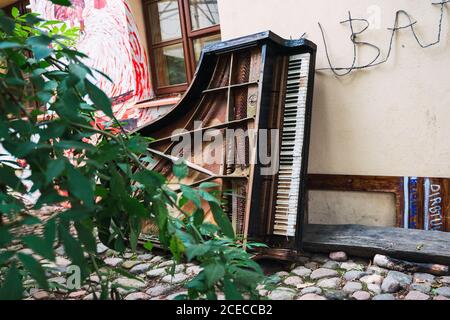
<point x="249" y="105"/>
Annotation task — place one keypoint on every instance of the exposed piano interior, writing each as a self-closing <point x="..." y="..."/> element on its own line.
<point x="264" y="82"/>
<point x="251" y="84"/>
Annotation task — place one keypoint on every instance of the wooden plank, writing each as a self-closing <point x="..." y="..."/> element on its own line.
<point x="365" y="241"/>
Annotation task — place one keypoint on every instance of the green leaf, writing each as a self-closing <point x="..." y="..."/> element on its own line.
<point x="230" y="290"/>
<point x="222" y="220"/>
<point x="135" y="208"/>
<point x="137" y="144"/>
<point x="50" y="232"/>
<point x="197" y="250"/>
<point x="5" y="237"/>
<point x="86" y="236"/>
<point x="73" y="249"/>
<point x="35" y="269"/>
<point x="9" y="45"/>
<point x="99" y="98"/>
<point x="80" y="186"/>
<point x="40" y="246"/>
<point x="208" y="196"/>
<point x="68" y="144"/>
<point x="40" y="45"/>
<point x="213" y="272"/>
<point x="180" y="169"/>
<point x="199" y="217"/>
<point x="11" y="288"/>
<point x="150" y="178"/>
<point x="8" y="177"/>
<point x="66" y="3"/>
<point x="5" y="256"/>
<point x="7" y="24"/>
<point x="54" y="169"/>
<point x="176" y="248"/>
<point x="15" y="12"/>
<point x="206" y="185"/>
<point x="192" y="195"/>
<point x="148" y="245"/>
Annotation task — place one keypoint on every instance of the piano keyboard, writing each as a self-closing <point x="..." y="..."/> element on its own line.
<point x="286" y="207"/>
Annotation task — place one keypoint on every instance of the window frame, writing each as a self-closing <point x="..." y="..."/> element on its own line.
<point x="188" y="36"/>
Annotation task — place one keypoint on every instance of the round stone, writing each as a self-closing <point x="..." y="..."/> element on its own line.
<point x="137" y="296"/>
<point x="375" y="288"/>
<point x="140" y="268"/>
<point x="282" y="293"/>
<point x="282" y="273"/>
<point x="354" y="275"/>
<point x="351" y="287"/>
<point x="384" y="296"/>
<point x="330" y="283"/>
<point x="159" y="289"/>
<point x="293" y="281"/>
<point x="156" y="259"/>
<point x="319" y="258"/>
<point x="416" y="295"/>
<point x="175" y="279"/>
<point x="323" y="273"/>
<point x="340" y="256"/>
<point x="312" y="265"/>
<point x="145" y="257"/>
<point x="193" y="270"/>
<point x="443" y="291"/>
<point x="404" y="279"/>
<point x="315" y="290"/>
<point x="350" y="265"/>
<point x="301" y="271"/>
<point x="444" y="280"/>
<point x="113" y="262"/>
<point x="423" y="277"/>
<point x="377" y="270"/>
<point x="335" y="295"/>
<point x="60" y="261"/>
<point x="130" y="264"/>
<point x="311" y="296"/>
<point x="422" y="287"/>
<point x="101" y="248"/>
<point x="160" y="272"/>
<point x="331" y="265"/>
<point x="41" y="295"/>
<point x="92" y="296"/>
<point x="361" y="295"/>
<point x="373" y="278"/>
<point x="130" y="283"/>
<point x="441" y="298"/>
<point x="173" y="296"/>
<point x="166" y="264"/>
<point x="390" y="285"/>
<point x="77" y="294"/>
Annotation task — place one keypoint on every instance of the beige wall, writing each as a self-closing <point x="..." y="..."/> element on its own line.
<point x="391" y="120"/>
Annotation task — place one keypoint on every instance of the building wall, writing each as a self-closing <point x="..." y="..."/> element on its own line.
<point x="393" y="119"/>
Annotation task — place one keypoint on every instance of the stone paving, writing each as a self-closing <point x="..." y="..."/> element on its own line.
<point x="316" y="277"/>
<point x="313" y="277"/>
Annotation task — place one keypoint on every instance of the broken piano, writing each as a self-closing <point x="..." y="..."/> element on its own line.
<point x="249" y="105"/>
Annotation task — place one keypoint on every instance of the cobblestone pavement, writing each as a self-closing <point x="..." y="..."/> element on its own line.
<point x="315" y="277"/>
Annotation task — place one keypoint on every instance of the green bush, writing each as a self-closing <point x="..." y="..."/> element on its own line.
<point x="110" y="190"/>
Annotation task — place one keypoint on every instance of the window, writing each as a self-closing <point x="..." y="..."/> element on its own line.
<point x="177" y="31"/>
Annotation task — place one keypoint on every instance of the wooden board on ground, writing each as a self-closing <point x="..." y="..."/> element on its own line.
<point x="365" y="241"/>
